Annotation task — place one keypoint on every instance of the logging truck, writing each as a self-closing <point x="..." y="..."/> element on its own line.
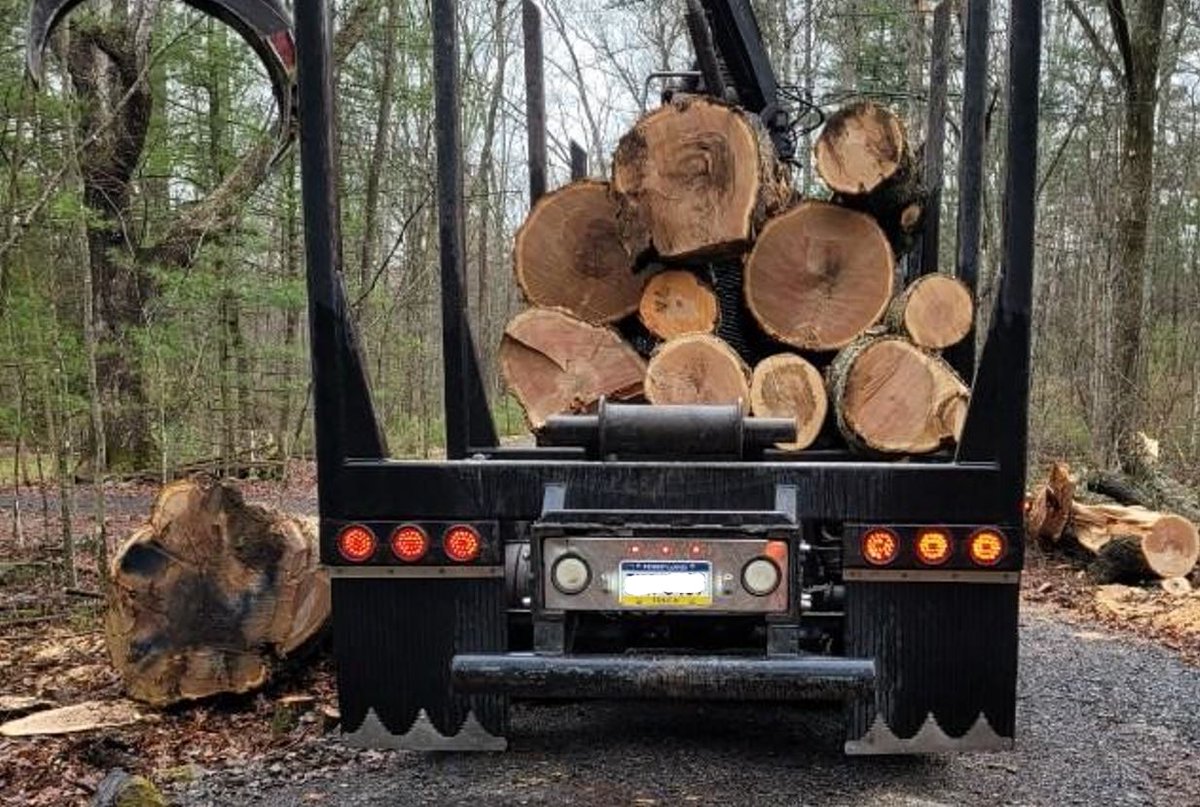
<point x="678" y="530"/>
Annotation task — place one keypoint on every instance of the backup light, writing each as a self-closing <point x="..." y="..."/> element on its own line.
<point x="933" y="546"/>
<point x="880" y="546"/>
<point x="570" y="574"/>
<point x="462" y="543"/>
<point x="409" y="543"/>
<point x="356" y="543"/>
<point x="760" y="577"/>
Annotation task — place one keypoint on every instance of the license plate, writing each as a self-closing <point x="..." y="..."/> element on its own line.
<point x="666" y="583"/>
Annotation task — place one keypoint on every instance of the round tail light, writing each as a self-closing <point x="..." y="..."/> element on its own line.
<point x="933" y="546"/>
<point x="986" y="547"/>
<point x="356" y="543"/>
<point x="880" y="546"/>
<point x="462" y="543"/>
<point x="409" y="543"/>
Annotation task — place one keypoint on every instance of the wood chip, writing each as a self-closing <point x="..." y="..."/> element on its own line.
<point x="70" y="719"/>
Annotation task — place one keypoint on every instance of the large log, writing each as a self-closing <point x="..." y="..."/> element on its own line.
<point x="819" y="276"/>
<point x="675" y="302"/>
<point x="893" y="398"/>
<point x="864" y="157"/>
<point x="211" y="593"/>
<point x="1168" y="545"/>
<point x="697" y="369"/>
<point x="554" y="362"/>
<point x="696" y="178"/>
<point x="785" y="385"/>
<point x="934" y="312"/>
<point x="1048" y="509"/>
<point x="567" y="255"/>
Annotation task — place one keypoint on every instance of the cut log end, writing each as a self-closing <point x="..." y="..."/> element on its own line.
<point x="934" y="312"/>
<point x="676" y="302"/>
<point x="553" y="362"/>
<point x="1172" y="546"/>
<point x="785" y="385"/>
<point x="697" y="369"/>
<point x="862" y="146"/>
<point x="567" y="254"/>
<point x="819" y="276"/>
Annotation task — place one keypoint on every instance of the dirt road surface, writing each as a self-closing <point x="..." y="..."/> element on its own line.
<point x="1103" y="719"/>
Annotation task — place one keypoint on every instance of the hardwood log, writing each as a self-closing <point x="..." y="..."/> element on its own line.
<point x="553" y="362"/>
<point x="1049" y="507"/>
<point x="696" y="178"/>
<point x="697" y="369"/>
<point x="1169" y="544"/>
<point x="567" y="255"/>
<point x="211" y="593"/>
<point x="786" y="385"/>
<point x="675" y="302"/>
<point x="891" y="397"/>
<point x="819" y="276"/>
<point x="864" y="157"/>
<point x="934" y="312"/>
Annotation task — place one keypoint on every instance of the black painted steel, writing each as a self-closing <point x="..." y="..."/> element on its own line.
<point x="667" y="677"/>
<point x="702" y="46"/>
<point x="630" y="430"/>
<point x="579" y="161"/>
<point x="535" y="98"/>
<point x="935" y="139"/>
<point x="970" y="167"/>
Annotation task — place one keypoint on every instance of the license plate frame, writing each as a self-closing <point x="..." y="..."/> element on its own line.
<point x="631" y="569"/>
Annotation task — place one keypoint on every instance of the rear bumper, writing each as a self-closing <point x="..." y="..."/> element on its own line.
<point x="804" y="678"/>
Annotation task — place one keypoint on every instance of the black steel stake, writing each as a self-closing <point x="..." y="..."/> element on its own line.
<point x="535" y="98"/>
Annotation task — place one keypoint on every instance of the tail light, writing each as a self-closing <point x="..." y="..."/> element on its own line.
<point x="986" y="546"/>
<point x="462" y="543"/>
<point x="880" y="546"/>
<point x="356" y="543"/>
<point x="933" y="546"/>
<point x="409" y="543"/>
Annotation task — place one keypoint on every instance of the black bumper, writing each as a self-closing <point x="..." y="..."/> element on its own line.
<point x="805" y="678"/>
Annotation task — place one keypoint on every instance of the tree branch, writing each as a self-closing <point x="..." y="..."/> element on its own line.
<point x="1120" y="26"/>
<point x="1093" y="37"/>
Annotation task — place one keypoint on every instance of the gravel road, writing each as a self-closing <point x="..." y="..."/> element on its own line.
<point x="1103" y="719"/>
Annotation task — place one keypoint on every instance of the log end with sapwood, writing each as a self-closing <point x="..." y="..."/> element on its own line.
<point x="696" y="178"/>
<point x="211" y="593"/>
<point x="891" y="397"/>
<point x="676" y="302"/>
<point x="861" y="147"/>
<point x="697" y="369"/>
<point x="819" y="276"/>
<point x="934" y="312"/>
<point x="785" y="385"/>
<point x="567" y="254"/>
<point x="553" y="362"/>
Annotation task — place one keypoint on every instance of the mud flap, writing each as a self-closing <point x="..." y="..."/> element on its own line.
<point x="393" y="642"/>
<point x="945" y="661"/>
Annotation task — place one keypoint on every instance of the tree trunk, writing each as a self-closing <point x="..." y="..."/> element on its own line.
<point x="553" y="362"/>
<point x="697" y="369"/>
<point x="696" y="178"/>
<point x="210" y="593"/>
<point x="567" y="254"/>
<point x="819" y="276"/>
<point x="1169" y="543"/>
<point x="676" y="302"/>
<point x="893" y="398"/>
<point x="934" y="312"/>
<point x="785" y="385"/>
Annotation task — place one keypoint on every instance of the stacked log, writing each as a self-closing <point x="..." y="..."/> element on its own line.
<point x="696" y="262"/>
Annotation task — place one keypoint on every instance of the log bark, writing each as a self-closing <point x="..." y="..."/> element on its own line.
<point x="1049" y="507"/>
<point x="1169" y="544"/>
<point x="864" y="157"/>
<point x="697" y="369"/>
<point x="211" y="593"/>
<point x="934" y="312"/>
<point x="891" y="397"/>
<point x="785" y="385"/>
<point x="819" y="276"/>
<point x="676" y="302"/>
<point x="553" y="362"/>
<point x="567" y="255"/>
<point x="696" y="178"/>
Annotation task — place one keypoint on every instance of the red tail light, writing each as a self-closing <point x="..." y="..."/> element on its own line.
<point x="462" y="543"/>
<point x="933" y="546"/>
<point x="880" y="546"/>
<point x="356" y="543"/>
<point x="986" y="546"/>
<point x="409" y="543"/>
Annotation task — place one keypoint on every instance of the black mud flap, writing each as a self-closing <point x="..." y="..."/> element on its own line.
<point x="393" y="642"/>
<point x="945" y="663"/>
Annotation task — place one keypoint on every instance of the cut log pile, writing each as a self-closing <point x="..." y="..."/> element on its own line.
<point x="697" y="275"/>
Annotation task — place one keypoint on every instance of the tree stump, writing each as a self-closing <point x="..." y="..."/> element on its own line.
<point x="893" y="398"/>
<point x="819" y="276"/>
<point x="553" y="362"/>
<point x="934" y="312"/>
<point x="567" y="254"/>
<point x="675" y="302"/>
<point x="697" y="369"/>
<point x="787" y="386"/>
<point x="696" y="178"/>
<point x="210" y="593"/>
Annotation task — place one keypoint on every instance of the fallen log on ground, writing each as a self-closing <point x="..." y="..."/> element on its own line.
<point x="211" y="594"/>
